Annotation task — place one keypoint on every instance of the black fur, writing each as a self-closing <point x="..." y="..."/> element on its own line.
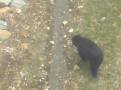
<point x="88" y="51"/>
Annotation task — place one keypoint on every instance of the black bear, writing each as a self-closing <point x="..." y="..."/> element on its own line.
<point x="89" y="51"/>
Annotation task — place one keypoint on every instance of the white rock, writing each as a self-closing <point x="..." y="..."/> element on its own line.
<point x="52" y="42"/>
<point x="80" y="6"/>
<point x="4" y="34"/>
<point x="48" y="28"/>
<point x="76" y="67"/>
<point x="18" y="10"/>
<point x="71" y="0"/>
<point x="64" y="46"/>
<point x="65" y="22"/>
<point x="22" y="74"/>
<point x="71" y="30"/>
<point x="70" y="10"/>
<point x="12" y="88"/>
<point x="103" y="19"/>
<point x="52" y="1"/>
<point x="42" y="65"/>
<point x="24" y="46"/>
<point x="47" y="88"/>
<point x="65" y="36"/>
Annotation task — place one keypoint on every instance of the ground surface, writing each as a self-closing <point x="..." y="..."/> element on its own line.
<point x="26" y="57"/>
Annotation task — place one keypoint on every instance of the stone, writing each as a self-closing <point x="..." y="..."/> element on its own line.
<point x="4" y="34"/>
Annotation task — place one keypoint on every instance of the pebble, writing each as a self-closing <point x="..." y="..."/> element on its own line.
<point x="76" y="67"/>
<point x="71" y="0"/>
<point x="24" y="46"/>
<point x="48" y="28"/>
<point x="52" y="42"/>
<point x="47" y="88"/>
<point x="65" y="22"/>
<point x="52" y="1"/>
<point x="22" y="74"/>
<point x="103" y="19"/>
<point x="18" y="10"/>
<point x="70" y="10"/>
<point x="71" y="30"/>
<point x="12" y="88"/>
<point x="42" y="65"/>
<point x="80" y="6"/>
<point x="4" y="34"/>
<point x="64" y="46"/>
<point x="65" y="36"/>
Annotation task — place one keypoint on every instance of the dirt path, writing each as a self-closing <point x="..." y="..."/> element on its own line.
<point x="58" y="66"/>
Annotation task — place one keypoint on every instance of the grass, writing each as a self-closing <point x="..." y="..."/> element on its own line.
<point x="102" y="23"/>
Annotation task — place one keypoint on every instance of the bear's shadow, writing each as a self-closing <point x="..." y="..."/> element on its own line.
<point x="84" y="67"/>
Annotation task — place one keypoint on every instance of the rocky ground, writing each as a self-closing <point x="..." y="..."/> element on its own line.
<point x="28" y="47"/>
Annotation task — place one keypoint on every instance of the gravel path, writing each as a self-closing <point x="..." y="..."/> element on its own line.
<point x="58" y="66"/>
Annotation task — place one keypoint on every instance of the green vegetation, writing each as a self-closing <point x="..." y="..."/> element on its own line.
<point x="102" y="24"/>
